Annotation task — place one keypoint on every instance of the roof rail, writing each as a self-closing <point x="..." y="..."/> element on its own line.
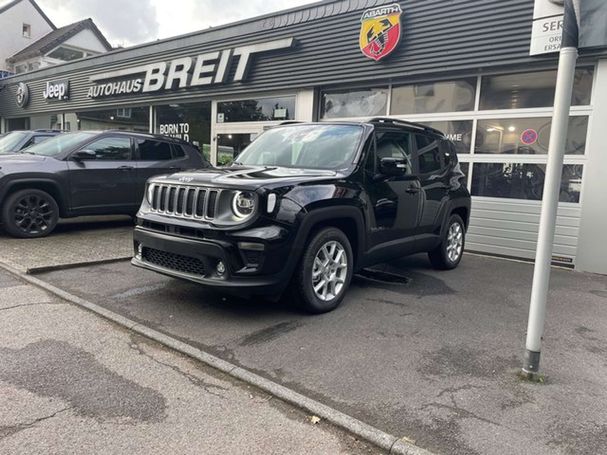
<point x="397" y="122"/>
<point x="47" y="130"/>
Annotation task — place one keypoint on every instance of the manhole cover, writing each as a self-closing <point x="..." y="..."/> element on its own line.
<point x="380" y="276"/>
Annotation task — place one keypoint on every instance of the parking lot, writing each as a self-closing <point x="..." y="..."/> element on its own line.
<point x="433" y="359"/>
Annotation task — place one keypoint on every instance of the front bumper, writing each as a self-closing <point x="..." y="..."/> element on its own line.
<point x="196" y="260"/>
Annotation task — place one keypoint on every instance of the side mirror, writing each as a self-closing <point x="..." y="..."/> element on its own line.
<point x="393" y="167"/>
<point x="84" y="155"/>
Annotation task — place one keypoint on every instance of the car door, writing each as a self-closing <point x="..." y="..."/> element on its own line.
<point x="434" y="178"/>
<point x="156" y="157"/>
<point x="104" y="180"/>
<point x="395" y="200"/>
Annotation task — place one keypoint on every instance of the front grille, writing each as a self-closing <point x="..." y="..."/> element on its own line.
<point x="172" y="261"/>
<point x="184" y="201"/>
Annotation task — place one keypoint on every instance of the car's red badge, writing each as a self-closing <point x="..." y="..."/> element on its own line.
<point x="380" y="30"/>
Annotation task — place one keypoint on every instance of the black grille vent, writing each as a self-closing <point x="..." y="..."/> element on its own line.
<point x="172" y="261"/>
<point x="184" y="201"/>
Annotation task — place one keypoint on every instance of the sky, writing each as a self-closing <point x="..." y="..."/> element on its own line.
<point x="130" y="22"/>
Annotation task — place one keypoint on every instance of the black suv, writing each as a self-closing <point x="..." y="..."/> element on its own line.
<point x="15" y="141"/>
<point x="307" y="205"/>
<point x="84" y="173"/>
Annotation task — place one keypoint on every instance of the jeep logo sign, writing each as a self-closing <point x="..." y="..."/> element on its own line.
<point x="57" y="90"/>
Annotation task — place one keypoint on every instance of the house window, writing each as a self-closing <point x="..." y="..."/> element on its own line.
<point x="66" y="54"/>
<point x="27" y="30"/>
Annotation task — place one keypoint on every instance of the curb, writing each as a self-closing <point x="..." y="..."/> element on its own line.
<point x="381" y="439"/>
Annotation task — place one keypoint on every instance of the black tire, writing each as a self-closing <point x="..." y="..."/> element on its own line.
<point x="440" y="257"/>
<point x="302" y="286"/>
<point x="30" y="214"/>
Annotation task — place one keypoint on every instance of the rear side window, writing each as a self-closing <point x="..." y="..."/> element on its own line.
<point x="150" y="150"/>
<point x="178" y="151"/>
<point x="38" y="139"/>
<point x="428" y="154"/>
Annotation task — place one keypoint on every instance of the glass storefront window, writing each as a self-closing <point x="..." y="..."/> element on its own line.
<point x="120" y="118"/>
<point x="528" y="90"/>
<point x="527" y="136"/>
<point x="229" y="146"/>
<point x="190" y="122"/>
<point x="457" y="131"/>
<point x="260" y="110"/>
<point x="448" y="96"/>
<point x="523" y="181"/>
<point x="354" y="103"/>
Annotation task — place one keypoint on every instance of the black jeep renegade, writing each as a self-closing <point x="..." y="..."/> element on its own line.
<point x="304" y="207"/>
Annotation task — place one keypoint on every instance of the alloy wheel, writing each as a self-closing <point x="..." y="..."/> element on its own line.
<point x="33" y="214"/>
<point x="330" y="270"/>
<point x="455" y="242"/>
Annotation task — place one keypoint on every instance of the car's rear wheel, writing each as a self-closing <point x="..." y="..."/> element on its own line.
<point x="325" y="271"/>
<point x="30" y="214"/>
<point x="449" y="253"/>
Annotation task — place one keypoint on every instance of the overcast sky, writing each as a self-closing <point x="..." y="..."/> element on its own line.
<point x="129" y="22"/>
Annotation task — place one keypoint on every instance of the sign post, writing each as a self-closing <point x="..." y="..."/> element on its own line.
<point x="580" y="29"/>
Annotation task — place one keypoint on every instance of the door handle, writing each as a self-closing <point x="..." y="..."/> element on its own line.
<point x="125" y="168"/>
<point x="413" y="189"/>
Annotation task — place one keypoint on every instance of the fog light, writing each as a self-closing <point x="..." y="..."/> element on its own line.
<point x="139" y="251"/>
<point x="220" y="269"/>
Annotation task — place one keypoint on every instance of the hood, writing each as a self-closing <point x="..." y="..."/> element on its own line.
<point x="20" y="158"/>
<point x="250" y="178"/>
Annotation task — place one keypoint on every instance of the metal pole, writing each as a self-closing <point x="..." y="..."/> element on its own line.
<point x="550" y="201"/>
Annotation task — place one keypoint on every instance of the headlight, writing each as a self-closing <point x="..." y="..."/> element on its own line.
<point x="243" y="204"/>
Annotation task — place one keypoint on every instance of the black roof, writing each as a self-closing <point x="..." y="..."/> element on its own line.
<point x="392" y="122"/>
<point x="56" y="37"/>
<point x="137" y="134"/>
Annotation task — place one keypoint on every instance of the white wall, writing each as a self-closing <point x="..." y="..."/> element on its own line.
<point x="86" y="40"/>
<point x="11" y="33"/>
<point x="592" y="246"/>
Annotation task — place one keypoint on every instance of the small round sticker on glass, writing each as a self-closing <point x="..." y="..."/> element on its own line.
<point x="529" y="137"/>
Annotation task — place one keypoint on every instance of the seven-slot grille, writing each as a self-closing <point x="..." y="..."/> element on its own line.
<point x="184" y="201"/>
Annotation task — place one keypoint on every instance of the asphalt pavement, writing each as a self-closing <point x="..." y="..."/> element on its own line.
<point x="71" y="382"/>
<point x="434" y="359"/>
<point x="75" y="241"/>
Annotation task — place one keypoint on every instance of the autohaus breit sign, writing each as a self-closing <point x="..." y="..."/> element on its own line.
<point x="205" y="69"/>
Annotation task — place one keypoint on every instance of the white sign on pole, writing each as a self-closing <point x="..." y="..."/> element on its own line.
<point x="547" y="29"/>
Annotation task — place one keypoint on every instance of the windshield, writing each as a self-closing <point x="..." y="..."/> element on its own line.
<point x="9" y="142"/>
<point x="304" y="146"/>
<point x="58" y="144"/>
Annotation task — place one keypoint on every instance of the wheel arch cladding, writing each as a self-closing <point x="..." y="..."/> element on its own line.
<point x="48" y="186"/>
<point x="346" y="219"/>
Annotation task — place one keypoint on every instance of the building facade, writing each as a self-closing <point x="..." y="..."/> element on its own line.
<point x="461" y="66"/>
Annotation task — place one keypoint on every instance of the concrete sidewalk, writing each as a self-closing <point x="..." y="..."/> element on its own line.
<point x="75" y="241"/>
<point x="71" y="382"/>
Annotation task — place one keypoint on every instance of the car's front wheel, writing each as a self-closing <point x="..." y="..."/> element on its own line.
<point x="449" y="253"/>
<point x="325" y="271"/>
<point x="30" y="214"/>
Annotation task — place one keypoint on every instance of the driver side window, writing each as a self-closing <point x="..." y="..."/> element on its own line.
<point x="111" y="149"/>
<point x="391" y="144"/>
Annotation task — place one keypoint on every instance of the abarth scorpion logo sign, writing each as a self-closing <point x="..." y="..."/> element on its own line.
<point x="380" y="31"/>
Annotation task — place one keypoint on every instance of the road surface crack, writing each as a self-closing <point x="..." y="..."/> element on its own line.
<point x="207" y="387"/>
<point x="7" y="431"/>
<point x="31" y="304"/>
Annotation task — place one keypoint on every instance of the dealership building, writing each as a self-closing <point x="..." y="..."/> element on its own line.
<point x="461" y="66"/>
